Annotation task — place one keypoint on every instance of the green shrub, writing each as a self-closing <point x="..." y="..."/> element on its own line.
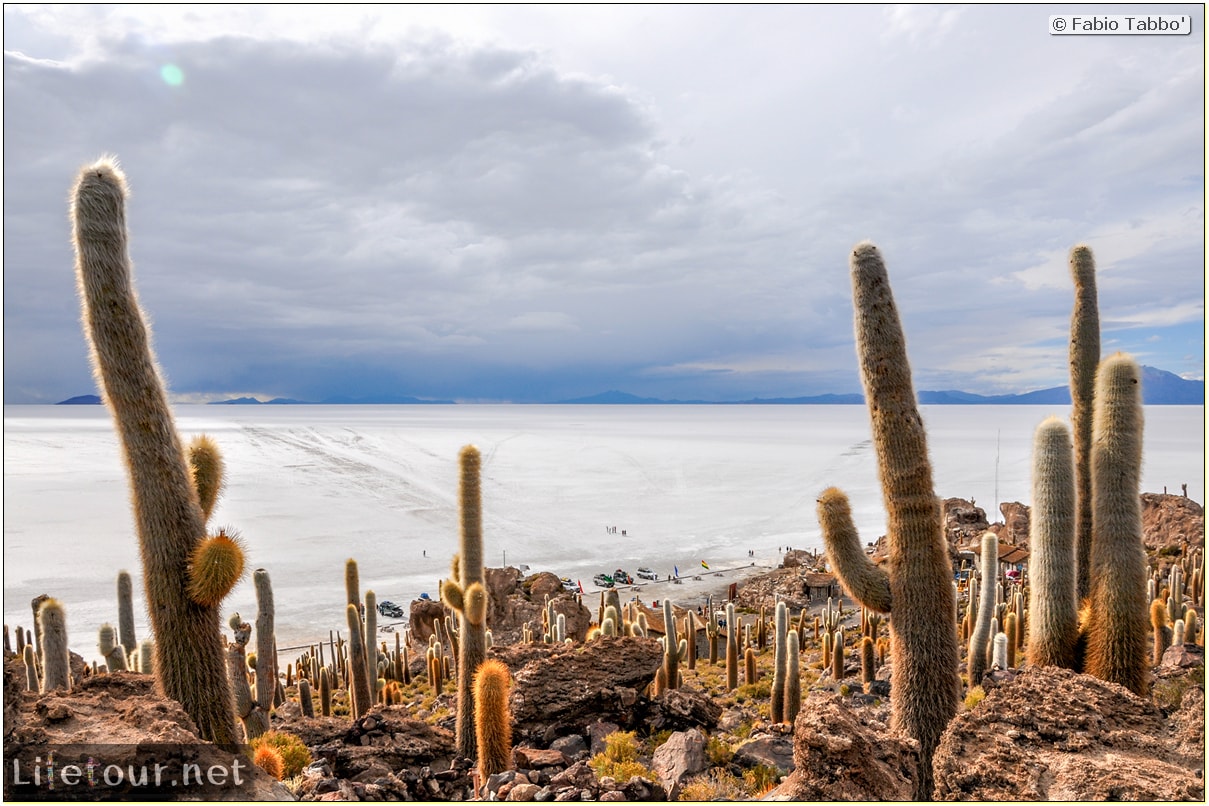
<point x="619" y="760"/>
<point x="718" y="752"/>
<point x="973" y="697"/>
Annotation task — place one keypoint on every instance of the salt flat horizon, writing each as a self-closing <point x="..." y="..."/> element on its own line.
<point x="310" y="486"/>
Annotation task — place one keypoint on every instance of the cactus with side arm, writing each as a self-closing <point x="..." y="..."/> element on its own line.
<point x="916" y="588"/>
<point x="168" y="516"/>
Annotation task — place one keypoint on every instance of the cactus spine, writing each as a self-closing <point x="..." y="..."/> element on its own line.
<point x="1084" y="358"/>
<point x="467" y="590"/>
<point x="56" y="658"/>
<point x="1116" y="628"/>
<point x="126" y="613"/>
<point x="492" y="721"/>
<point x="1054" y="629"/>
<point x="976" y="656"/>
<point x="266" y="649"/>
<point x="732" y="649"/>
<point x="926" y="693"/>
<point x="777" y="694"/>
<point x="189" y="660"/>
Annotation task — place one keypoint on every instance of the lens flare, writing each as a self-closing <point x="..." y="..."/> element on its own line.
<point x="172" y="75"/>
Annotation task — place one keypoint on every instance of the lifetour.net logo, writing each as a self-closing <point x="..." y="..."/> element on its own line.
<point x="126" y="772"/>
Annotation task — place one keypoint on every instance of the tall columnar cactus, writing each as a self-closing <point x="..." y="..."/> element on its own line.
<point x="1117" y="625"/>
<point x="36" y="605"/>
<point x="671" y="646"/>
<point x="917" y="590"/>
<point x="711" y="630"/>
<point x="371" y="634"/>
<point x="793" y="677"/>
<point x="732" y="649"/>
<point x="56" y="658"/>
<point x="466" y="595"/>
<point x="837" y="655"/>
<point x="126" y="613"/>
<point x="999" y="653"/>
<point x="492" y="721"/>
<point x="266" y="648"/>
<point x="169" y="520"/>
<point x="749" y="665"/>
<point x="325" y="692"/>
<point x="777" y="695"/>
<point x="1054" y="631"/>
<point x="979" y="649"/>
<point x="868" y="666"/>
<point x="1084" y="358"/>
<point x="362" y="694"/>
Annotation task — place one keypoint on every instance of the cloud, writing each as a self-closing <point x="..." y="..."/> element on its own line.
<point x="478" y="206"/>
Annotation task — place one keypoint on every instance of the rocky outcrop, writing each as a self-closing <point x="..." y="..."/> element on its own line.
<point x="578" y="684"/>
<point x="1171" y="521"/>
<point x="118" y="720"/>
<point x="1015" y="523"/>
<point x="964" y="522"/>
<point x="421" y="616"/>
<point x="1052" y="734"/>
<point x="846" y="753"/>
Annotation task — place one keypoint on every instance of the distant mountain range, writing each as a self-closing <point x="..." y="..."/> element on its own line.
<point x="1159" y="388"/>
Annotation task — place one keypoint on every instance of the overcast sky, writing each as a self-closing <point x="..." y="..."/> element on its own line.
<point x="539" y="203"/>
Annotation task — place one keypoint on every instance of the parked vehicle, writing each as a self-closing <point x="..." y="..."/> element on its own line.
<point x="390" y="609"/>
<point x="602" y="581"/>
<point x="620" y="577"/>
<point x="569" y="584"/>
<point x="646" y="573"/>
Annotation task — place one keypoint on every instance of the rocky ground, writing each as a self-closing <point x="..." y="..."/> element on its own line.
<point x="1038" y="734"/>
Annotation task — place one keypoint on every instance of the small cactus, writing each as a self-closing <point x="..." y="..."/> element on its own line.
<point x="749" y="665"/>
<point x="492" y="722"/>
<point x="126" y="614"/>
<point x="206" y="466"/>
<point x="111" y="650"/>
<point x="732" y="649"/>
<point x="31" y="669"/>
<point x="56" y="658"/>
<point x="266" y="647"/>
<point x="793" y="678"/>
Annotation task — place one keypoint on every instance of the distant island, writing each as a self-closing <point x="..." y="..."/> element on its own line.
<point x="1159" y="388"/>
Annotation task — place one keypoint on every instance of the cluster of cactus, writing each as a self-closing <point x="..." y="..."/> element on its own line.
<point x="984" y="630"/>
<point x="1173" y="615"/>
<point x="169" y="514"/>
<point x="917" y="589"/>
<point x="255" y="720"/>
<point x="465" y="594"/>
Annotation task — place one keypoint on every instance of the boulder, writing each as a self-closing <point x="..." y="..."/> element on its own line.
<point x="1015" y="522"/>
<point x="840" y="753"/>
<point x="683" y="708"/>
<point x="679" y="758"/>
<point x="1051" y="734"/>
<point x="582" y="683"/>
<point x="770" y="750"/>
<point x="543" y="584"/>
<point x="422" y="614"/>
